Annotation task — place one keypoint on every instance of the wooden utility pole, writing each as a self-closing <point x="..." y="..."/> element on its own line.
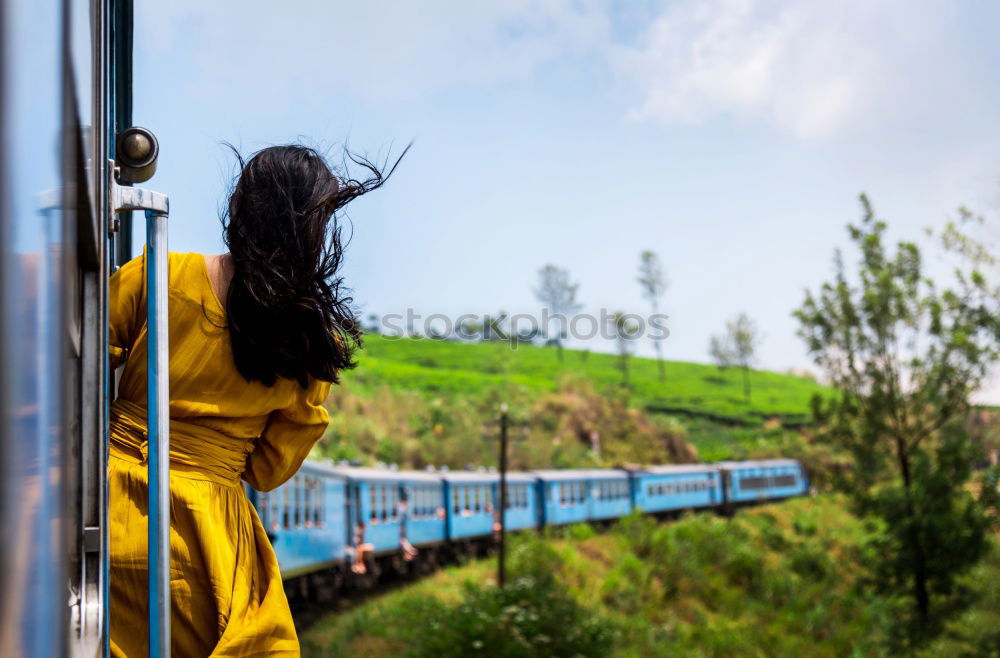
<point x="501" y="562"/>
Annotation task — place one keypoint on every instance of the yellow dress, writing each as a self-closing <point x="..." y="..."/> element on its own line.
<point x="226" y="591"/>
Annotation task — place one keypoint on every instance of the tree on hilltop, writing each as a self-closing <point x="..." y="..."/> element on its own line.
<point x="558" y="294"/>
<point x="654" y="283"/>
<point x="737" y="347"/>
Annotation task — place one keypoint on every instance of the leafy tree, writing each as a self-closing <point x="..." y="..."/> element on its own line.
<point x="738" y="347"/>
<point x="558" y="295"/>
<point x="653" y="282"/>
<point x="904" y="356"/>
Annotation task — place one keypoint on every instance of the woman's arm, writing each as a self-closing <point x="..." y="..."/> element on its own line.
<point x="288" y="437"/>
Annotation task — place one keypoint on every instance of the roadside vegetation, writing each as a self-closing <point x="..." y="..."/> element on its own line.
<point x="898" y="555"/>
<point x="785" y="579"/>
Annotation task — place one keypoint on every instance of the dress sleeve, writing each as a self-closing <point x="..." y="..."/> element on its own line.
<point x="125" y="309"/>
<point x="288" y="437"/>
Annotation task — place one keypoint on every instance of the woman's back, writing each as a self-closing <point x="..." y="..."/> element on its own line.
<point x="216" y="415"/>
<point x="225" y="584"/>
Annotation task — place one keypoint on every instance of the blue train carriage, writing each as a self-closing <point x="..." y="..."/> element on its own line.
<point x="677" y="487"/>
<point x="575" y="496"/>
<point x="385" y="505"/>
<point x="770" y="479"/>
<point x="470" y="500"/>
<point x="474" y="499"/>
<point x="522" y="501"/>
<point x="305" y="519"/>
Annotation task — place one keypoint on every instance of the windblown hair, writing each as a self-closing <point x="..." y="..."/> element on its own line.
<point x="289" y="314"/>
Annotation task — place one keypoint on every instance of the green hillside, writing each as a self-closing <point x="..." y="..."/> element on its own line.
<point x="448" y="368"/>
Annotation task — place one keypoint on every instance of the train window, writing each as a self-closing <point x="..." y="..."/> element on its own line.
<point x="307" y="502"/>
<point x="753" y="483"/>
<point x="454" y="500"/>
<point x="286" y="507"/>
<point x="304" y="501"/>
<point x="318" y="509"/>
<point x="786" y="480"/>
<point x="305" y="514"/>
<point x="265" y="509"/>
<point x="296" y="502"/>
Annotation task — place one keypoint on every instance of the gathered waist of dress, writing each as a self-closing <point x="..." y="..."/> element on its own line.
<point x="196" y="452"/>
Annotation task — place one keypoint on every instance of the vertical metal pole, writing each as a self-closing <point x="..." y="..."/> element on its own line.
<point x="158" y="426"/>
<point x="502" y="560"/>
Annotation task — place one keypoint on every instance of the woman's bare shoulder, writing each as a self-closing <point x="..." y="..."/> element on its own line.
<point x="220" y="272"/>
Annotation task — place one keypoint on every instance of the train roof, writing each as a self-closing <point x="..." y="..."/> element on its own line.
<point x="670" y="469"/>
<point x="323" y="467"/>
<point x="581" y="474"/>
<point x="385" y="474"/>
<point x="476" y="476"/>
<point x="760" y="463"/>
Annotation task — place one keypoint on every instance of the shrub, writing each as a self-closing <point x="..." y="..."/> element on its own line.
<point x="534" y="615"/>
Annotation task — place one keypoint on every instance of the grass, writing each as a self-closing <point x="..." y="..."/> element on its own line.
<point x="775" y="580"/>
<point x="442" y="368"/>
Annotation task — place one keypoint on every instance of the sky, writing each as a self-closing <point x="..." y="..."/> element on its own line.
<point x="731" y="137"/>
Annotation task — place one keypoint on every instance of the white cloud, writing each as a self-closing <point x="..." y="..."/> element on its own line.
<point x="807" y="68"/>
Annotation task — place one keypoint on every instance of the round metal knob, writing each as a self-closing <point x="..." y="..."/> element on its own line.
<point x="136" y="151"/>
<point x="137" y="146"/>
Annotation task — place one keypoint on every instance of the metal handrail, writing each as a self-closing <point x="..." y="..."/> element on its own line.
<point x="157" y="209"/>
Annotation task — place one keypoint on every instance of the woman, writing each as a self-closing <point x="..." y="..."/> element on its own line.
<point x="257" y="337"/>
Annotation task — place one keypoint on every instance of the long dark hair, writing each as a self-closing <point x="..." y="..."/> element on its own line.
<point x="289" y="314"/>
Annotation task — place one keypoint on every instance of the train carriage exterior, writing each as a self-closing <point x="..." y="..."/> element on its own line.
<point x="522" y="501"/>
<point x="425" y="509"/>
<point x="473" y="501"/>
<point x="376" y="513"/>
<point x="771" y="479"/>
<point x="575" y="496"/>
<point x="305" y="519"/>
<point x="65" y="94"/>
<point x="677" y="487"/>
